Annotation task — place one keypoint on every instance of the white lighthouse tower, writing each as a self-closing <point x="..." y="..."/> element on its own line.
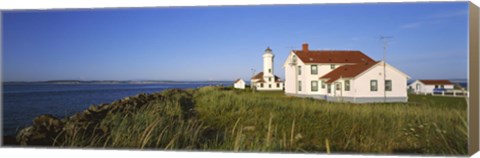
<point x="267" y="80"/>
<point x="268" y="63"/>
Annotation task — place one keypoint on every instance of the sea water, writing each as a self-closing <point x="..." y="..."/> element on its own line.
<point x="23" y="102"/>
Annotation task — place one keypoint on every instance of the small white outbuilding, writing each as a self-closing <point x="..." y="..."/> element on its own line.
<point x="239" y="84"/>
<point x="429" y="86"/>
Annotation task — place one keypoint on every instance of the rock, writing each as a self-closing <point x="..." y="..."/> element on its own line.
<point x="93" y="108"/>
<point x="47" y="128"/>
<point x="48" y="123"/>
<point x="24" y="135"/>
<point x="44" y="128"/>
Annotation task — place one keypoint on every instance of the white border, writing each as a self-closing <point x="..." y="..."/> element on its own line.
<point x="8" y="5"/>
<point x="56" y="4"/>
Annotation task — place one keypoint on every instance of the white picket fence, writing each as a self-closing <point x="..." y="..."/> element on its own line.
<point x="453" y="92"/>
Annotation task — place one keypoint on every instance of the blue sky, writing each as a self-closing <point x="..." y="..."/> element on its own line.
<point x="225" y="43"/>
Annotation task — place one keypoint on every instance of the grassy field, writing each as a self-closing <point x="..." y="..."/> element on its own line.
<point x="222" y="119"/>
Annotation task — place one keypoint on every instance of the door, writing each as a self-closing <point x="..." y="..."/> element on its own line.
<point x="338" y="91"/>
<point x="417" y="89"/>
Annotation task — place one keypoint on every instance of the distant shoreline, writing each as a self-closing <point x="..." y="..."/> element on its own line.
<point x="111" y="82"/>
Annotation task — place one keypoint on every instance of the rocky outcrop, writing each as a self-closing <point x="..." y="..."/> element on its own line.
<point x="47" y="130"/>
<point x="43" y="131"/>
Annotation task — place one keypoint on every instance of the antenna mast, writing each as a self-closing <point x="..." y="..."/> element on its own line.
<point x="385" y="44"/>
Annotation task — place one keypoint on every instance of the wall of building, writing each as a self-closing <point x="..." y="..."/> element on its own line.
<point x="239" y="85"/>
<point x="362" y="83"/>
<point x="266" y="87"/>
<point x="290" y="75"/>
<point x="421" y="89"/>
<point x="341" y="91"/>
<point x="426" y="89"/>
<point x="306" y="78"/>
<point x="366" y="99"/>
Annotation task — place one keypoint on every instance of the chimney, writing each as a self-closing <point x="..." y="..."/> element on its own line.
<point x="305" y="47"/>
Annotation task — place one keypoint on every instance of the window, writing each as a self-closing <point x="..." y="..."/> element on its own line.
<point x="418" y="86"/>
<point x="299" y="85"/>
<point x="323" y="84"/>
<point x="261" y="85"/>
<point x="299" y="70"/>
<point x="373" y="85"/>
<point x="294" y="59"/>
<point x="269" y="85"/>
<point x="314" y="70"/>
<point x="269" y="79"/>
<point x="436" y="86"/>
<point x="329" y="88"/>
<point x="278" y="85"/>
<point x="314" y="86"/>
<point x="388" y="85"/>
<point x="338" y="86"/>
<point x="270" y="70"/>
<point x="442" y="86"/>
<point x="332" y="66"/>
<point x="347" y="85"/>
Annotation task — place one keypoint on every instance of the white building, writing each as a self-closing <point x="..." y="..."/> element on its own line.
<point x="428" y="86"/>
<point x="337" y="75"/>
<point x="239" y="84"/>
<point x="266" y="80"/>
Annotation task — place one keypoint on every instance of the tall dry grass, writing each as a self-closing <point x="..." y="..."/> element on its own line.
<point x="210" y="118"/>
<point x="283" y="123"/>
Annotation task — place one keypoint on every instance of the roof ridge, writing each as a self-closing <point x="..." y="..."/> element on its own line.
<point x="336" y="50"/>
<point x="347" y="71"/>
<point x="333" y="56"/>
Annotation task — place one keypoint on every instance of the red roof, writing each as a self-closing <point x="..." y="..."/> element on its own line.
<point x="332" y="56"/>
<point x="260" y="77"/>
<point x="347" y="71"/>
<point x="434" y="82"/>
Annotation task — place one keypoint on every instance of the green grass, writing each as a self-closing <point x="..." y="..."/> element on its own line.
<point x="223" y="119"/>
<point x="439" y="101"/>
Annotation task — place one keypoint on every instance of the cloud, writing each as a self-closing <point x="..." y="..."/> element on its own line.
<point x="450" y="14"/>
<point x="421" y="23"/>
<point x="435" y="19"/>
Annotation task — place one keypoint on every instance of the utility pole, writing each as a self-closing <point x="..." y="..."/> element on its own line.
<point x="252" y="84"/>
<point x="385" y="44"/>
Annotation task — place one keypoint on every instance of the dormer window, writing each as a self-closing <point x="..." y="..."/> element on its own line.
<point x="294" y="58"/>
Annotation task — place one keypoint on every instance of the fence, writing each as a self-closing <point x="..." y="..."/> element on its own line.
<point x="451" y="92"/>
